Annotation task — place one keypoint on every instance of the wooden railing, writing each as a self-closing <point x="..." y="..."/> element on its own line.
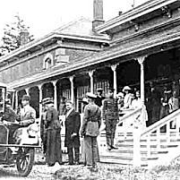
<point x="160" y="138"/>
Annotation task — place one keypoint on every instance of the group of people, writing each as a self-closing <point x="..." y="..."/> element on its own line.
<point x="161" y="101"/>
<point x="97" y="109"/>
<point x="89" y="130"/>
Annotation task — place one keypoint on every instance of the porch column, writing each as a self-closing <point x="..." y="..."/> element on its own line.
<point x="55" y="93"/>
<point x="91" y="80"/>
<point x="40" y="98"/>
<point x="27" y="91"/>
<point x="71" y="78"/>
<point x="16" y="100"/>
<point x="114" y="67"/>
<point x="142" y="83"/>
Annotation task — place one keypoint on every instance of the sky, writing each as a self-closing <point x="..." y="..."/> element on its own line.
<point x="44" y="16"/>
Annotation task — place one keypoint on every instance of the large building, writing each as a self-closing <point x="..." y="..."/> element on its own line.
<point x="135" y="48"/>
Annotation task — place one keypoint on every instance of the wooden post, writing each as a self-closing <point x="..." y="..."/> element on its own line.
<point x="71" y="78"/>
<point x="136" y="148"/>
<point x="40" y="99"/>
<point x="16" y="106"/>
<point x="27" y="91"/>
<point x="91" y="80"/>
<point x="114" y="67"/>
<point x="142" y="82"/>
<point x="55" y="93"/>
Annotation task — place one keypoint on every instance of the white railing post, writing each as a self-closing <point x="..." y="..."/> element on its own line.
<point x="136" y="148"/>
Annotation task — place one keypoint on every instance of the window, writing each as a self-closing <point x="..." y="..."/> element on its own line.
<point x="48" y="61"/>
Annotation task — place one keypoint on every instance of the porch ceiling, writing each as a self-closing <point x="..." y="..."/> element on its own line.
<point x="114" y="53"/>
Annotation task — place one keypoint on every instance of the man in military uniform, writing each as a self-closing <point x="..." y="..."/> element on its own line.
<point x="110" y="117"/>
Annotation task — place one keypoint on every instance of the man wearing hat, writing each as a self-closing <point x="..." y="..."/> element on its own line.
<point x="99" y="98"/>
<point x="27" y="115"/>
<point x="90" y="130"/>
<point x="110" y="116"/>
<point x="53" y="127"/>
<point x="72" y="139"/>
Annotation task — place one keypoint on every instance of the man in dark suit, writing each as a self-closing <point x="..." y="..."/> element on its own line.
<point x="72" y="127"/>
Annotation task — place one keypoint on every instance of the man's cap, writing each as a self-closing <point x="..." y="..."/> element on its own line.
<point x="7" y="101"/>
<point x="91" y="95"/>
<point x="99" y="89"/>
<point x="126" y="88"/>
<point x="47" y="100"/>
<point x="26" y="98"/>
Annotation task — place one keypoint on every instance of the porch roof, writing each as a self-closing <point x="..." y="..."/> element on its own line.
<point x="137" y="12"/>
<point x="114" y="52"/>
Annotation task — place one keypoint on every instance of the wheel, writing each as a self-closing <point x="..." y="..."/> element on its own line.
<point x="25" y="161"/>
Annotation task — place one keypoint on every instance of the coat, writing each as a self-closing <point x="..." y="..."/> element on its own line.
<point x="26" y="116"/>
<point x="72" y="125"/>
<point x="91" y="120"/>
<point x="110" y="109"/>
<point x="52" y="119"/>
<point x="53" y="141"/>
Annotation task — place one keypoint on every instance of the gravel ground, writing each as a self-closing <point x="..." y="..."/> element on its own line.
<point x="105" y="172"/>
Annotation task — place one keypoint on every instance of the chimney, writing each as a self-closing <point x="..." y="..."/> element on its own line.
<point x="97" y="13"/>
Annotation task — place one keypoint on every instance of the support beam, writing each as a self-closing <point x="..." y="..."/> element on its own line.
<point x="40" y="98"/>
<point x="27" y="91"/>
<point x="142" y="82"/>
<point x="71" y="78"/>
<point x="114" y="67"/>
<point x="55" y="93"/>
<point x="16" y="106"/>
<point x="91" y="80"/>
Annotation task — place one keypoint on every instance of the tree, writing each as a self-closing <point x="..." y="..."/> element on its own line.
<point x="15" y="35"/>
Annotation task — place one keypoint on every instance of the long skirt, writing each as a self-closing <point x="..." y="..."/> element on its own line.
<point x="90" y="151"/>
<point x="53" y="147"/>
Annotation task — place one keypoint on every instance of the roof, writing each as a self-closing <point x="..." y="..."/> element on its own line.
<point x="134" y="13"/>
<point x="80" y="29"/>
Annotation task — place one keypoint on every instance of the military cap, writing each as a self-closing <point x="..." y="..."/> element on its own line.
<point x="91" y="95"/>
<point x="99" y="89"/>
<point x="26" y="98"/>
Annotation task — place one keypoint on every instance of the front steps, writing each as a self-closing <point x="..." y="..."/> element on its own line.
<point x="158" y="144"/>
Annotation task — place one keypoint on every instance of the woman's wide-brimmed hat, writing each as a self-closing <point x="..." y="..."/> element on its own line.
<point x="84" y="100"/>
<point x="126" y="88"/>
<point x="91" y="95"/>
<point x="47" y="100"/>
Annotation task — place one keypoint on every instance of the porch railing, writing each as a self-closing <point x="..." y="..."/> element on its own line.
<point x="158" y="139"/>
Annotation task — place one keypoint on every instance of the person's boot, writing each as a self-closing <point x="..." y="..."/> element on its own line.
<point x="112" y="144"/>
<point x="76" y="156"/>
<point x="108" y="143"/>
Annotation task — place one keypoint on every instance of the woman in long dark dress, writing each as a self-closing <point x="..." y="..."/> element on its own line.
<point x="53" y="147"/>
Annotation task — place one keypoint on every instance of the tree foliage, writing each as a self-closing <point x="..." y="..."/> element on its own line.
<point x="15" y="35"/>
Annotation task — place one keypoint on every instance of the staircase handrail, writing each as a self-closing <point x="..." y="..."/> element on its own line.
<point x="126" y="116"/>
<point x="160" y="123"/>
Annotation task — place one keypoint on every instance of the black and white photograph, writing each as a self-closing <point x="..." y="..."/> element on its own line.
<point x="90" y="89"/>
